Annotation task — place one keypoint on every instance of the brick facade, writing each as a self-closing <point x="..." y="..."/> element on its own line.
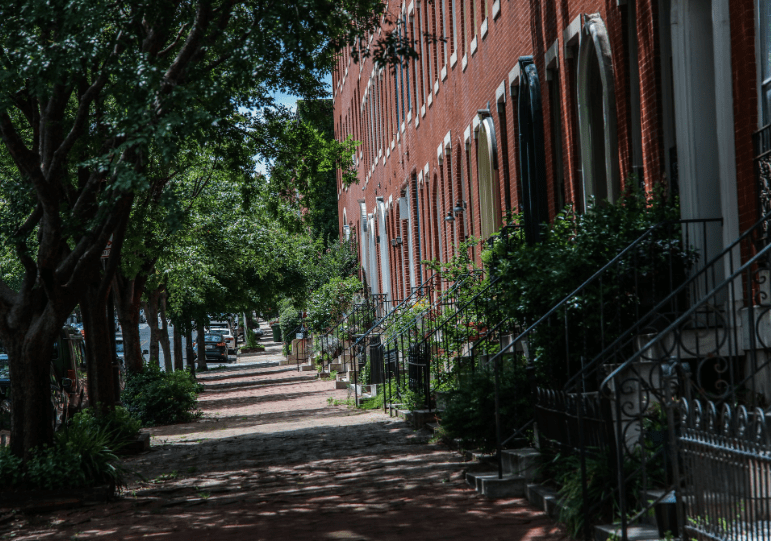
<point x="433" y="155"/>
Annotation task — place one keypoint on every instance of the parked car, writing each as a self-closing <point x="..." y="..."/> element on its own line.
<point x="216" y="348"/>
<point x="223" y="328"/>
<point x="67" y="378"/>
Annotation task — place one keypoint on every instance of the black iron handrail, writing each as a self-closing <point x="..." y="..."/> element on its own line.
<point x="569" y="300"/>
<point x="669" y="376"/>
<point x="405" y="330"/>
<point x="417" y="292"/>
<point x="597" y="275"/>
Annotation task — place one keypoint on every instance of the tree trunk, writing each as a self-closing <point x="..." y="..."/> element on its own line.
<point x="189" y="346"/>
<point x="201" y="346"/>
<point x="178" y="363"/>
<point x="128" y="301"/>
<point x="163" y="332"/>
<point x="151" y="311"/>
<point x="99" y="356"/>
<point x="29" y="350"/>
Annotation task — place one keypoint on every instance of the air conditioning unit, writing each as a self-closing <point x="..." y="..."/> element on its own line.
<point x="396" y="241"/>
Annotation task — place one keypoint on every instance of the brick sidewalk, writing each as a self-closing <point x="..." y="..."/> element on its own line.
<point x="271" y="459"/>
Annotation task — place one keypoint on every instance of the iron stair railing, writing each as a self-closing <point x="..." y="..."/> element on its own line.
<point x="613" y="296"/>
<point x="713" y="351"/>
<point x="441" y="350"/>
<point x="395" y="354"/>
<point x="332" y="344"/>
<point x="365" y="340"/>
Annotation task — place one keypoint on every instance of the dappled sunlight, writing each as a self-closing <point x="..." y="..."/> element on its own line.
<point x="283" y="464"/>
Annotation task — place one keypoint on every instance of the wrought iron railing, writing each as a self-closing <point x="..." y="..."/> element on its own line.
<point x="726" y="462"/>
<point x="338" y="339"/>
<point x="584" y="322"/>
<point x="402" y="364"/>
<point x="712" y="349"/>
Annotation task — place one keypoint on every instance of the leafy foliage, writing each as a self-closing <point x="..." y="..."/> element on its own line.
<point x="535" y="277"/>
<point x="289" y="320"/>
<point x="161" y="398"/>
<point x="331" y="301"/>
<point x="81" y="456"/>
<point x="119" y="425"/>
<point x="468" y="412"/>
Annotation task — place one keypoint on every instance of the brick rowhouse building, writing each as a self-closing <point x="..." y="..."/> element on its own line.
<point x="529" y="106"/>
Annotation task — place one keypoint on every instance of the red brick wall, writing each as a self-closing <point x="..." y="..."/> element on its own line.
<point x="522" y="28"/>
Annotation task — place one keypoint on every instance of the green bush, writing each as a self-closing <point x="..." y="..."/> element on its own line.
<point x="161" y="398"/>
<point x="601" y="485"/>
<point x="535" y="277"/>
<point x="288" y="320"/>
<point x="117" y="423"/>
<point x="79" y="457"/>
<point x="251" y="339"/>
<point x="331" y="301"/>
<point x="470" y="411"/>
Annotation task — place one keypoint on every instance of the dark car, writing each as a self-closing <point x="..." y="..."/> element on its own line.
<point x="216" y="348"/>
<point x="67" y="374"/>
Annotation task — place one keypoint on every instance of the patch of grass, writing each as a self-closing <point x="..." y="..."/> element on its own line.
<point x="332" y="401"/>
<point x="166" y="477"/>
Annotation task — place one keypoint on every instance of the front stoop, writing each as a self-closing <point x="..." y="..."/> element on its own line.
<point x="642" y="532"/>
<point x="488" y="484"/>
<point x="547" y="499"/>
<point x="543" y="498"/>
<point x="519" y="469"/>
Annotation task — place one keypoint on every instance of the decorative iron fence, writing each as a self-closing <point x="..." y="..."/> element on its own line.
<point x="727" y="473"/>
<point x="573" y="421"/>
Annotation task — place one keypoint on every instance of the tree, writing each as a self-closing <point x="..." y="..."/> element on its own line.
<point x="91" y="90"/>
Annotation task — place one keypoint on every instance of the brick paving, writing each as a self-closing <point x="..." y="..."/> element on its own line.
<point x="272" y="459"/>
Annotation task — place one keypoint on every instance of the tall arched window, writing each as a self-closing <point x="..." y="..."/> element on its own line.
<point x="487" y="173"/>
<point x="597" y="112"/>
<point x="531" y="150"/>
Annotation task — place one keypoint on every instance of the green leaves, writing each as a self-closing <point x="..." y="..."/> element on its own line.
<point x="331" y="301"/>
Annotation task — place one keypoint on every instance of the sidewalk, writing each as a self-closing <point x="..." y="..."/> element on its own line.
<point x="274" y="458"/>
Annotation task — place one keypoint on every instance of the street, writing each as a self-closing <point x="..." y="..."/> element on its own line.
<point x="144" y="335"/>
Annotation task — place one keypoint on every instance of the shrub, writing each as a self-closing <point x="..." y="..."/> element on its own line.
<point x="470" y="411"/>
<point x="251" y="339"/>
<point x="118" y="424"/>
<point x="535" y="277"/>
<point x="331" y="301"/>
<point x="79" y="457"/>
<point x="288" y="320"/>
<point x="601" y="484"/>
<point x="161" y="398"/>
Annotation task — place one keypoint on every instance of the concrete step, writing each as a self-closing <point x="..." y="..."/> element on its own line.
<point x="640" y="532"/>
<point x="488" y="484"/>
<point x="521" y="462"/>
<point x="543" y="498"/>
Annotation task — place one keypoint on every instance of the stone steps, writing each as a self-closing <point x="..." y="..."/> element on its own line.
<point x="547" y="499"/>
<point x="519" y="470"/>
